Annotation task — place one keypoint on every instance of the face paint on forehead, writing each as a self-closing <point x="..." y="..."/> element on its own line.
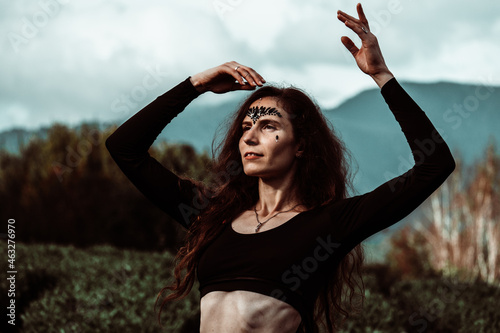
<point x="256" y="112"/>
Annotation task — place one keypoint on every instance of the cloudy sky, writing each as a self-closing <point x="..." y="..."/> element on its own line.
<point x="69" y="60"/>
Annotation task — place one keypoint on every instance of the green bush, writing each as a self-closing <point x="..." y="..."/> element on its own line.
<point x="435" y="304"/>
<point x="66" y="189"/>
<point x="105" y="289"/>
<point x="102" y="289"/>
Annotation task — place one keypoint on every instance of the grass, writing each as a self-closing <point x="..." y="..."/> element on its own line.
<point x="100" y="289"/>
<point x="105" y="289"/>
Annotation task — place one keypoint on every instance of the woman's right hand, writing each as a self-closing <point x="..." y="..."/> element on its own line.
<point x="227" y="77"/>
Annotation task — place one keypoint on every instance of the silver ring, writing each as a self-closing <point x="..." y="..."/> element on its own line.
<point x="364" y="30"/>
<point x="237" y="68"/>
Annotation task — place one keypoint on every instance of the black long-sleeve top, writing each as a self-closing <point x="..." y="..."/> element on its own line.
<point x="289" y="262"/>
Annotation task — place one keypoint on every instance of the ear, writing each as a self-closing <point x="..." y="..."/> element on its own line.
<point x="300" y="150"/>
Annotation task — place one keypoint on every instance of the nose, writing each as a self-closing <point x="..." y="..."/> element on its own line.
<point x="249" y="136"/>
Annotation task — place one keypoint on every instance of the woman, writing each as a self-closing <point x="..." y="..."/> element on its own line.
<point x="276" y="244"/>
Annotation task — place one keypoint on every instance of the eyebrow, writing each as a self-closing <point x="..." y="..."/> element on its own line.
<point x="265" y="121"/>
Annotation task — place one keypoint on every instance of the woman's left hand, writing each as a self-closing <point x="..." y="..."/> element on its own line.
<point x="369" y="57"/>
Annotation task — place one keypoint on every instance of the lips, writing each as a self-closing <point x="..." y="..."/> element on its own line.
<point x="251" y="153"/>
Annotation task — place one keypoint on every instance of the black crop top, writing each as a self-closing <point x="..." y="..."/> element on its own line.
<point x="288" y="262"/>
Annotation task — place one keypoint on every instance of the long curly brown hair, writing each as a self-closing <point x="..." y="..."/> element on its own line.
<point x="237" y="192"/>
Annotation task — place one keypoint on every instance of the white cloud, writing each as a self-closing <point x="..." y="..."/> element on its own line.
<point x="75" y="59"/>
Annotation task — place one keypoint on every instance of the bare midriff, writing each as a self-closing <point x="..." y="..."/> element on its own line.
<point x="243" y="311"/>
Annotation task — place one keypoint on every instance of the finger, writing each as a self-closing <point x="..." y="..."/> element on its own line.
<point x="245" y="86"/>
<point x="247" y="76"/>
<point x="349" y="44"/>
<point x="232" y="68"/>
<point x="356" y="25"/>
<point x="357" y="28"/>
<point x="341" y="17"/>
<point x="362" y="16"/>
<point x="254" y="76"/>
<point x="244" y="74"/>
<point x="347" y="16"/>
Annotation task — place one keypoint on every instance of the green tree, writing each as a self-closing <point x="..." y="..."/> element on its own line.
<point x="66" y="189"/>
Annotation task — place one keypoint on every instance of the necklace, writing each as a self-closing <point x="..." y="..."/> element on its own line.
<point x="261" y="223"/>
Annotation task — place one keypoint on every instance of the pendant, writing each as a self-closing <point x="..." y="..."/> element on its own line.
<point x="258" y="227"/>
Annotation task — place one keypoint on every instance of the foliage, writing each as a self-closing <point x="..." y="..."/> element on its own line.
<point x="462" y="233"/>
<point x="105" y="289"/>
<point x="57" y="188"/>
<point x="68" y="190"/>
<point x="425" y="305"/>
<point x="101" y="289"/>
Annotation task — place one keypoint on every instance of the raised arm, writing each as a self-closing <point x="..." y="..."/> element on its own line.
<point x="129" y="144"/>
<point x="368" y="57"/>
<point x="364" y="215"/>
<point x="369" y="213"/>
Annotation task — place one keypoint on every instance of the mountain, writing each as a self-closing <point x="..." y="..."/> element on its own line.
<point x="466" y="122"/>
<point x="467" y="116"/>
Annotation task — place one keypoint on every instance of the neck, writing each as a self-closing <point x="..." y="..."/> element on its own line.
<point x="276" y="195"/>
